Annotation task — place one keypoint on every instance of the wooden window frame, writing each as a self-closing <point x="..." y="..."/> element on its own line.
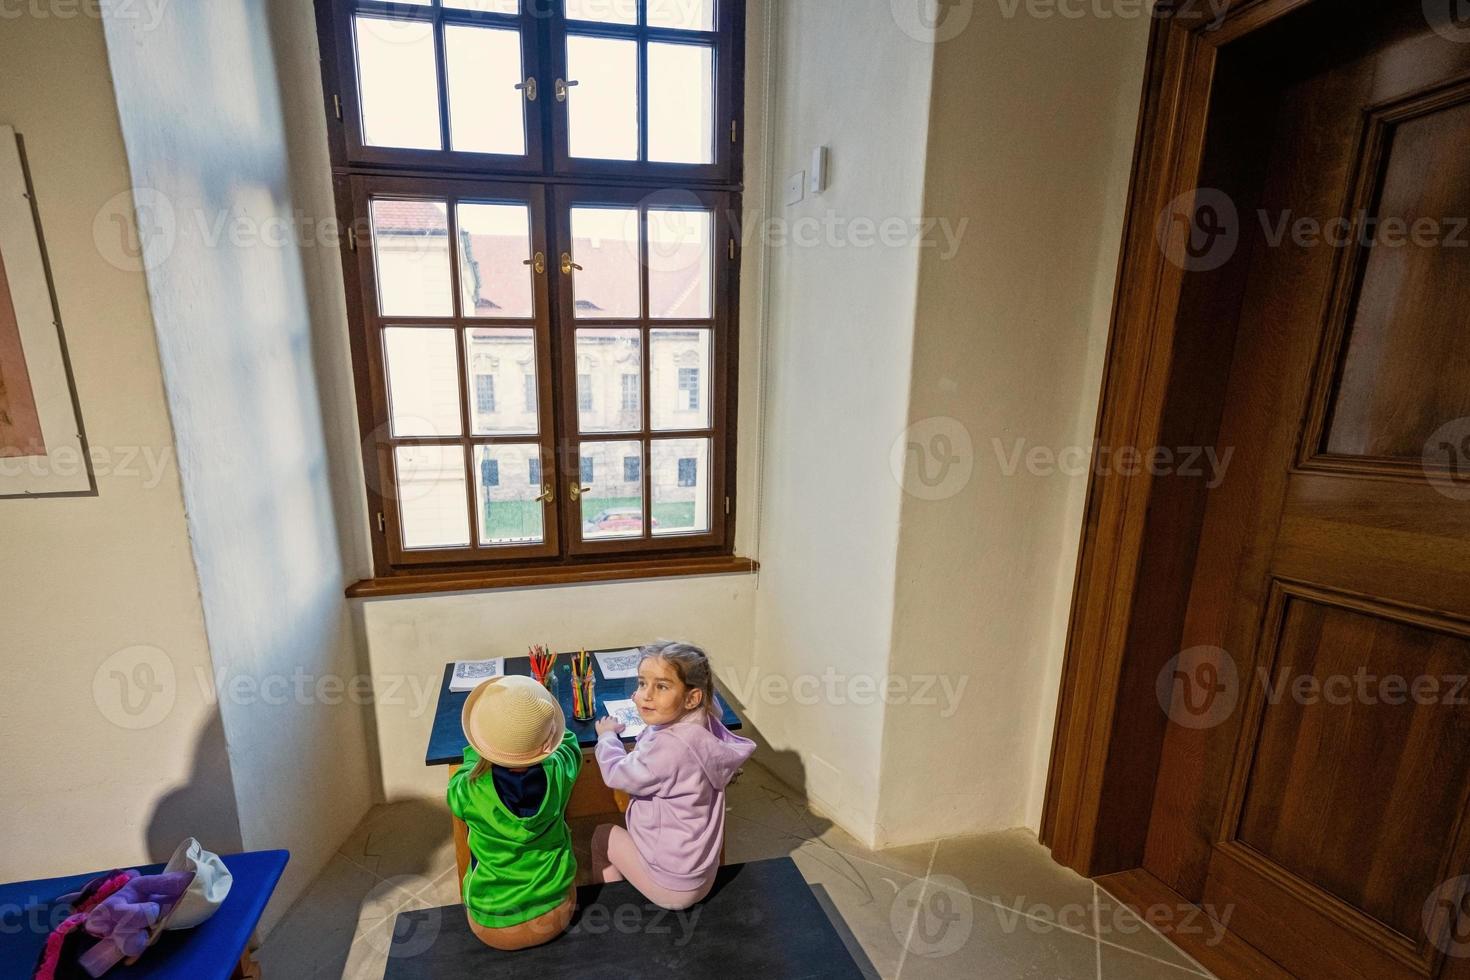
<point x="549" y="180"/>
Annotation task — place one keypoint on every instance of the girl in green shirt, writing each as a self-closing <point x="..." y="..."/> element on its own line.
<point x="511" y="792"/>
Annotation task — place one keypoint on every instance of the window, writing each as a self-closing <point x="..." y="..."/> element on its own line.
<point x="485" y="393"/>
<point x="546" y="189"/>
<point x="689" y="389"/>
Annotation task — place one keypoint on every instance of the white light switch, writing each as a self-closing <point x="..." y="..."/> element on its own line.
<point x="796" y="188"/>
<point x="816" y="181"/>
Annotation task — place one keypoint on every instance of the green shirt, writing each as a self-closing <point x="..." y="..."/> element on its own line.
<point x="523" y="865"/>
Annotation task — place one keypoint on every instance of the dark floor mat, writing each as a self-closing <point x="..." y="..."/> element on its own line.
<point x="760" y="922"/>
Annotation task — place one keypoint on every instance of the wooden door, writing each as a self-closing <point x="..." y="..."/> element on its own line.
<point x="1314" y="777"/>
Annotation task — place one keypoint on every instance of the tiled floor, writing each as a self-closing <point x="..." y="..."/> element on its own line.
<point x="991" y="907"/>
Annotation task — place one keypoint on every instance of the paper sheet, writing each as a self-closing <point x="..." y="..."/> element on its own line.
<point x="627" y="713"/>
<point x="618" y="664"/>
<point x="470" y="674"/>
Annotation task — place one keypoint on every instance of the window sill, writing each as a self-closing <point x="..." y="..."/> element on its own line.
<point x="480" y="580"/>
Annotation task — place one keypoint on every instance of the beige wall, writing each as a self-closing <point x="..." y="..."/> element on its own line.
<point x="1030" y="141"/>
<point x="86" y="581"/>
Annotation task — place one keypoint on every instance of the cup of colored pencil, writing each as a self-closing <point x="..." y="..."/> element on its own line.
<point x="584" y="687"/>
<point x="543" y="666"/>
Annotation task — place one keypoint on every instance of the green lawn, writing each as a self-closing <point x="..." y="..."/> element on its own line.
<point x="522" y="518"/>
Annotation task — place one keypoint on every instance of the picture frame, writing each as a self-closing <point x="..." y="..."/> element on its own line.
<point x="43" y="445"/>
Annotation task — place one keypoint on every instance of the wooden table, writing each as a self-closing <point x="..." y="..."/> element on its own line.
<point x="590" y="796"/>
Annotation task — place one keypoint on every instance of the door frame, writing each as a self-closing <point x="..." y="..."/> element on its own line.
<point x="1161" y="383"/>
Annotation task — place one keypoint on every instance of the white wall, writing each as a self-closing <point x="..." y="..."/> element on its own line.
<point x="840" y="340"/>
<point x="1031" y="133"/>
<point x="84" y="581"/>
<point x="202" y="116"/>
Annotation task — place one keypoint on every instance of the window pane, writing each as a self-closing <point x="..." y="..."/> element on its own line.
<point x="397" y="80"/>
<point x="680" y="484"/>
<point x="679" y="360"/>
<point x="609" y="364"/>
<point x="509" y="510"/>
<point x="423" y="391"/>
<point x="486" y="111"/>
<point x="411" y="253"/>
<point x="503" y="364"/>
<point x="491" y="6"/>
<point x="602" y="108"/>
<point x="683" y="15"/>
<point x="680" y="256"/>
<point x="681" y="103"/>
<point x="613" y="507"/>
<point x="606" y="11"/>
<point x="431" y="496"/>
<point x="605" y="245"/>
<point x="494" y="244"/>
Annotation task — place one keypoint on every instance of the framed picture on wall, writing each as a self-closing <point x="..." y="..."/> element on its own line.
<point x="43" y="449"/>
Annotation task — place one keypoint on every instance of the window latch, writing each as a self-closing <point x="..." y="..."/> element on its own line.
<point x="576" y="490"/>
<point x="567" y="265"/>
<point x="548" y="494"/>
<point x="528" y="87"/>
<point x="561" y="88"/>
<point x="538" y="263"/>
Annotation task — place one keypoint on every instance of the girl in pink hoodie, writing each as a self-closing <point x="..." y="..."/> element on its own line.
<point x="676" y="776"/>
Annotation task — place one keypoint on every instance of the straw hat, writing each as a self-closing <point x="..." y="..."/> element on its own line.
<point x="513" y="721"/>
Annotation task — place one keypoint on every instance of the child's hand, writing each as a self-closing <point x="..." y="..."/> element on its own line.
<point x="609" y="724"/>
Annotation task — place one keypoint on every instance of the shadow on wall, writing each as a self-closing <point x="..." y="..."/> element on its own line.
<point x="204" y="807"/>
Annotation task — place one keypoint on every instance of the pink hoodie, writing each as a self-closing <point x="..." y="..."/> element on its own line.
<point x="677" y="776"/>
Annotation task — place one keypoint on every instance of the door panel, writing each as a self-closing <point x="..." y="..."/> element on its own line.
<point x="1333" y="570"/>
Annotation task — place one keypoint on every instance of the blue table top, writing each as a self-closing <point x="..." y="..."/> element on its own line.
<point x="446" y="740"/>
<point x="210" y="951"/>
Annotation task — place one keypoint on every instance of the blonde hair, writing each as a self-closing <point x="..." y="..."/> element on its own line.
<point x="692" y="666"/>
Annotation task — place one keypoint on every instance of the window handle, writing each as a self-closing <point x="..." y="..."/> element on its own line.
<point x="538" y="263"/>
<point x="548" y="494"/>
<point x="576" y="490"/>
<point x="567" y="265"/>
<point x="529" y="87"/>
<point x="561" y="88"/>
